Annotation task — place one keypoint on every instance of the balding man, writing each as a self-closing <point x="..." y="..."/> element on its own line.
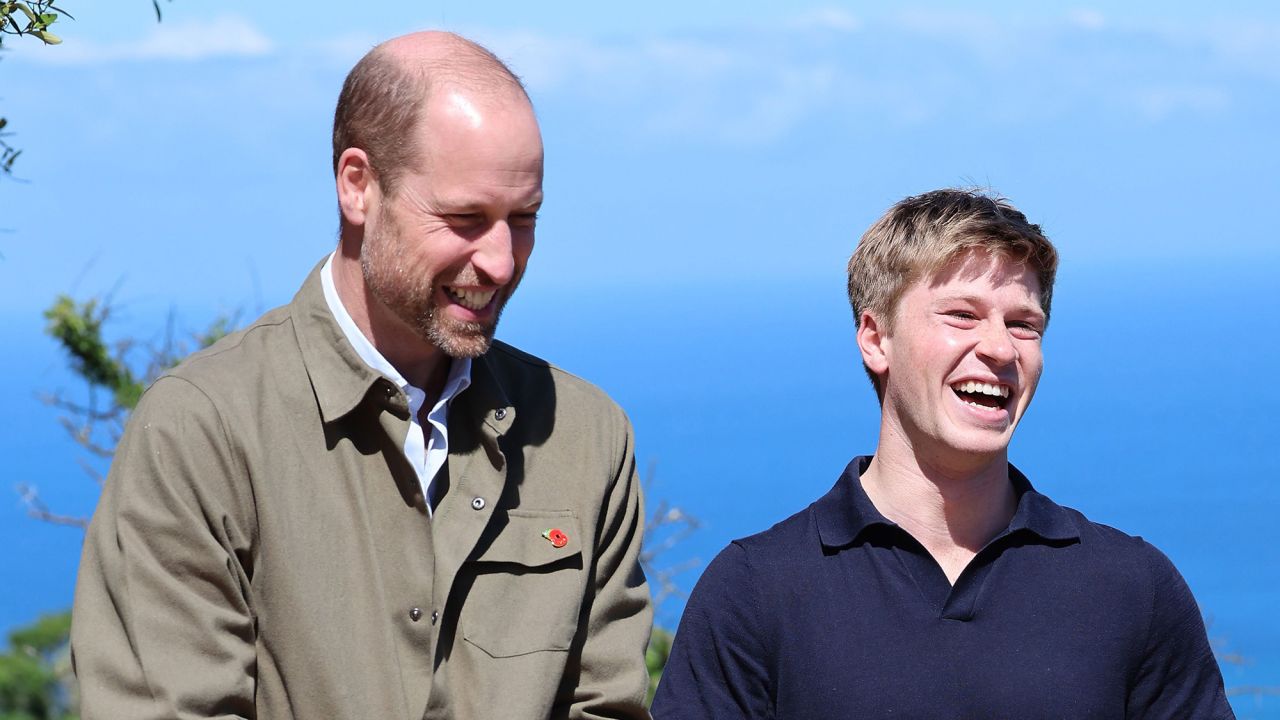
<point x="361" y="506"/>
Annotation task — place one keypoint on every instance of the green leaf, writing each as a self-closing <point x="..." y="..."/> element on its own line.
<point x="31" y="16"/>
<point x="655" y="658"/>
<point x="46" y="635"/>
<point x="57" y="9"/>
<point x="79" y="329"/>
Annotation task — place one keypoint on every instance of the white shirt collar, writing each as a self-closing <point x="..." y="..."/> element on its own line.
<point x="459" y="378"/>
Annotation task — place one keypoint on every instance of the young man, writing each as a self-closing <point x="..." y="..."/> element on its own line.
<point x="933" y="581"/>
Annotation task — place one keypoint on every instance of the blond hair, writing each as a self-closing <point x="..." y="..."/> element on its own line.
<point x="922" y="234"/>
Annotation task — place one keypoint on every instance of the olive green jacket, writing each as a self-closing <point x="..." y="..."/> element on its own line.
<point x="262" y="549"/>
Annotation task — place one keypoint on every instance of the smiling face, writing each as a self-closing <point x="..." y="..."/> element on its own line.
<point x="445" y="251"/>
<point x="962" y="360"/>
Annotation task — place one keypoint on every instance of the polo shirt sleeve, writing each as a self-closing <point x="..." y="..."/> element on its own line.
<point x="162" y="626"/>
<point x="718" y="668"/>
<point x="1178" y="676"/>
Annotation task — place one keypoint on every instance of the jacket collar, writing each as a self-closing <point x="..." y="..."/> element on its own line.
<point x="339" y="377"/>
<point x="845" y="512"/>
<point x="342" y="380"/>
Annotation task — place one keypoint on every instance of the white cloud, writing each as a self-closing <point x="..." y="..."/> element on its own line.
<point x="345" y="50"/>
<point x="1157" y="103"/>
<point x="225" y="36"/>
<point x="681" y="85"/>
<point x="1087" y="19"/>
<point x="827" y="18"/>
<point x="750" y="85"/>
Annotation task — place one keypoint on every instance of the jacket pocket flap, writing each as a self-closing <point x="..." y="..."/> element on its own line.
<point x="533" y="538"/>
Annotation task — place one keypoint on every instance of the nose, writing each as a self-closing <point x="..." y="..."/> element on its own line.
<point x="494" y="257"/>
<point x="996" y="345"/>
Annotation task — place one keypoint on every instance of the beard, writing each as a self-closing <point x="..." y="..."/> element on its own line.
<point x="411" y="296"/>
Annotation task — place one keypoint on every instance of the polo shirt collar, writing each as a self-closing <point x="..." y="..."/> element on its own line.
<point x="1038" y="514"/>
<point x="846" y="512"/>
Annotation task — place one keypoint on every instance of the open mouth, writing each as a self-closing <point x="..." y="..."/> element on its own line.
<point x="471" y="299"/>
<point x="983" y="395"/>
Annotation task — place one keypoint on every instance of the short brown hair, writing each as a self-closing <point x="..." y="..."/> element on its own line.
<point x="383" y="95"/>
<point x="921" y="234"/>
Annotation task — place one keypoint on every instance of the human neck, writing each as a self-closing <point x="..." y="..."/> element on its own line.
<point x="422" y="364"/>
<point x="953" y="510"/>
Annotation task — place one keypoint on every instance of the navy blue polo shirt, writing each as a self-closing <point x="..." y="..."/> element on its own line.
<point x="836" y="612"/>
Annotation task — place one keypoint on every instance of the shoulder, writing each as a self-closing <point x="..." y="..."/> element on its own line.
<point x="531" y="381"/>
<point x="1103" y="539"/>
<point x="1128" y="561"/>
<point x="241" y="354"/>
<point x="785" y="543"/>
<point x="740" y="594"/>
<point x="760" y="570"/>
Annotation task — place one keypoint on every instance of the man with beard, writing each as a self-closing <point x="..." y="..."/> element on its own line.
<point x="361" y="506"/>
<point x="932" y="581"/>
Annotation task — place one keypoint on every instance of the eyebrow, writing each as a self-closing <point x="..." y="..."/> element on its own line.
<point x="459" y="205"/>
<point x="982" y="301"/>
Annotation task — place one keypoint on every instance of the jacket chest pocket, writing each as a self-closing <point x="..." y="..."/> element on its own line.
<point x="526" y="586"/>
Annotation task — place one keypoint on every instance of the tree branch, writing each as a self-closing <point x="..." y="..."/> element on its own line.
<point x="38" y="510"/>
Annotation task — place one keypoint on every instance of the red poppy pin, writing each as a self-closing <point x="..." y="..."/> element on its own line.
<point x="557" y="537"/>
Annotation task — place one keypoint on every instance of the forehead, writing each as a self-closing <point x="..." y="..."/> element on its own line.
<point x="978" y="275"/>
<point x="469" y="130"/>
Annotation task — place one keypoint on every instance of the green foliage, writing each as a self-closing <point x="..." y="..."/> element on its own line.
<point x="8" y="153"/>
<point x="35" y="675"/>
<point x="30" y="17"/>
<point x="78" y="327"/>
<point x="655" y="659"/>
<point x="24" y="17"/>
<point x="115" y="382"/>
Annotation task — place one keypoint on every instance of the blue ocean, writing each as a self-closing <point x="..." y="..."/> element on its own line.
<point x="1156" y="415"/>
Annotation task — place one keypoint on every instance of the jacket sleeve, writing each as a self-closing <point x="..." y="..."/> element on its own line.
<point x="719" y="665"/>
<point x="162" y="626"/>
<point x="611" y="679"/>
<point x="1178" y="676"/>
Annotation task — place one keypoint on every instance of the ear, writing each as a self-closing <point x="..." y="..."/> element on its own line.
<point x="357" y="186"/>
<point x="873" y="343"/>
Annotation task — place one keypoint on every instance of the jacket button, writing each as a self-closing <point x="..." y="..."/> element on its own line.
<point x="500" y="413"/>
<point x="477" y="503"/>
<point x="435" y="615"/>
<point x="416" y="614"/>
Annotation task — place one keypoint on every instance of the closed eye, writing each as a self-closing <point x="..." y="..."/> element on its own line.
<point x="1027" y="330"/>
<point x="463" y="218"/>
<point x="524" y="220"/>
<point x="963" y="317"/>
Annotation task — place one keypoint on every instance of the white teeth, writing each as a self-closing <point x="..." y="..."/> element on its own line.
<point x="971" y="386"/>
<point x="472" y="299"/>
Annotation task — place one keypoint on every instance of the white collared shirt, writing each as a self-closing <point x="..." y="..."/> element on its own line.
<point x="425" y="454"/>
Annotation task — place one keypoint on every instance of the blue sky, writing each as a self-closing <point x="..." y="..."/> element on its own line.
<point x="710" y="167"/>
<point x="735" y="124"/>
